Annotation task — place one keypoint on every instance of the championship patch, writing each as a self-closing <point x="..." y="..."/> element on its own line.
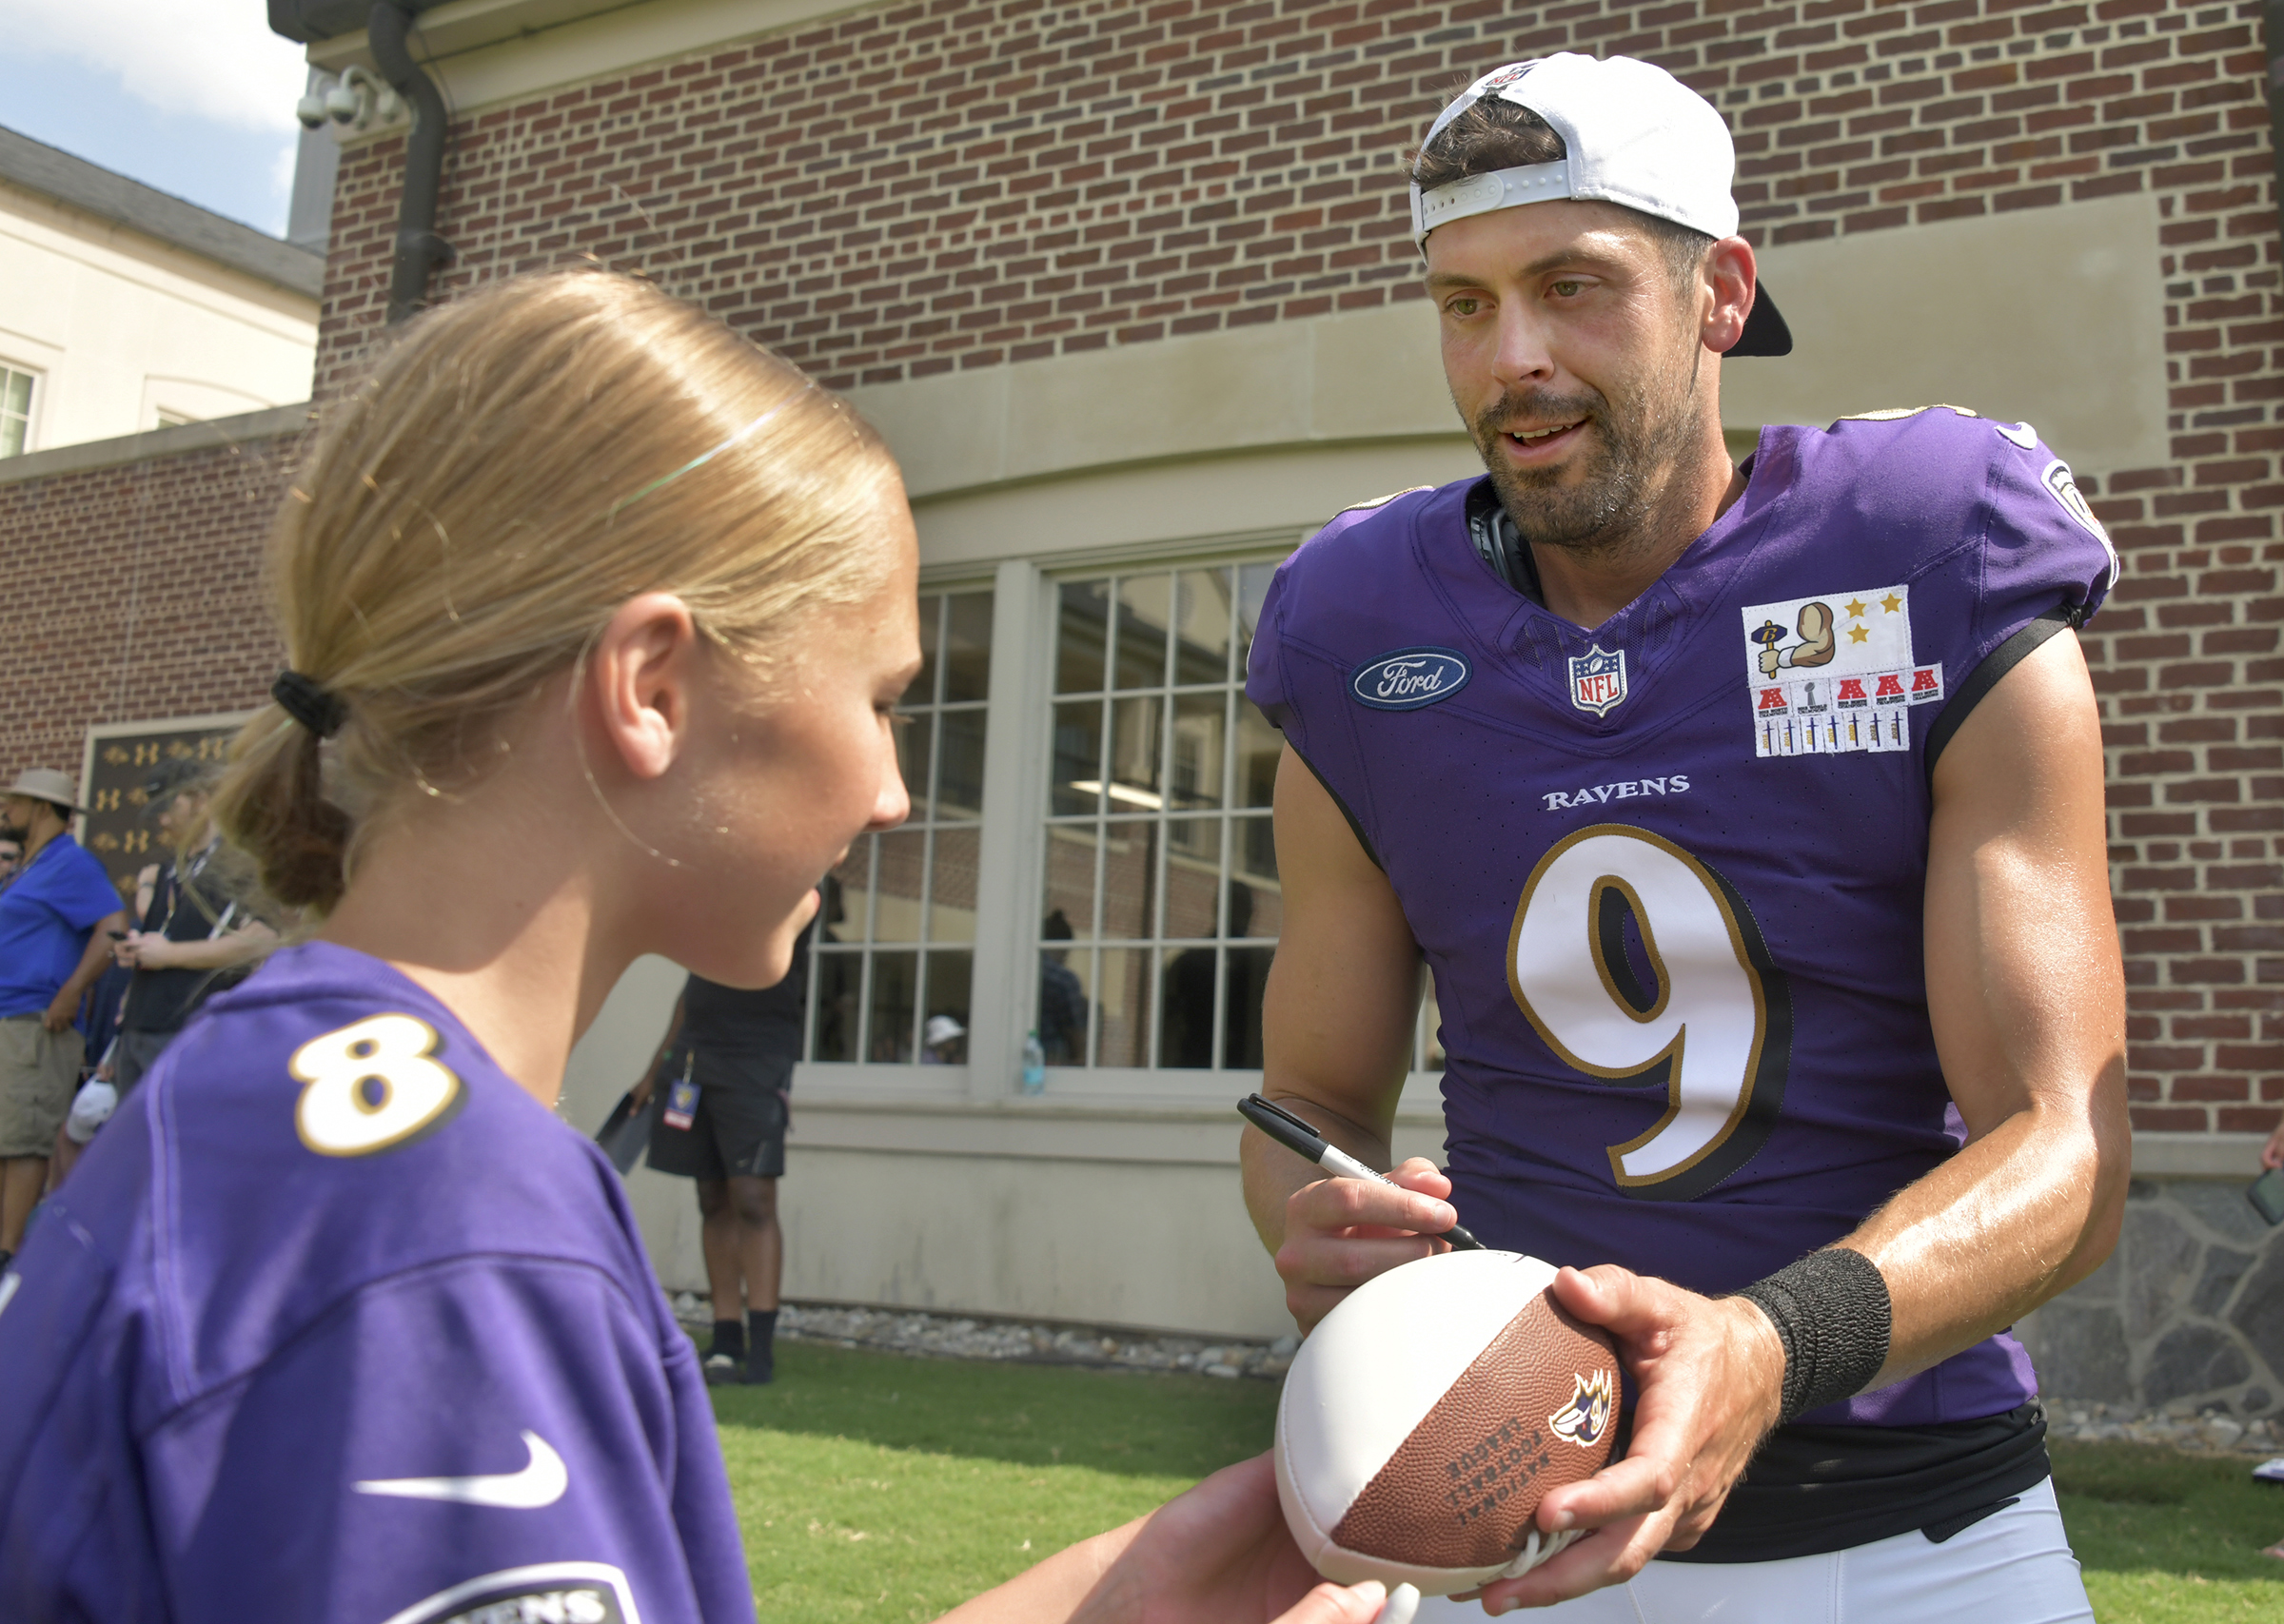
<point x="1408" y="678"/>
<point x="1597" y="681"/>
<point x="549" y="1593"/>
<point x="1835" y="674"/>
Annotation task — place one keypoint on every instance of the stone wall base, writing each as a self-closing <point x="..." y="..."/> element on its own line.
<point x="2187" y="1317"/>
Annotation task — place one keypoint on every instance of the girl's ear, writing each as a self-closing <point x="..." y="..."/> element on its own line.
<point x="638" y="679"/>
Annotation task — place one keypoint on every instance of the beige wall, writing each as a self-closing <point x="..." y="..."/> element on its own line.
<point x="2053" y="314"/>
<point x="122" y="326"/>
<point x="1992" y="313"/>
<point x="1053" y="1208"/>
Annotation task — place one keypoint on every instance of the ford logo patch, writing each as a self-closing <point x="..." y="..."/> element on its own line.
<point x="1411" y="677"/>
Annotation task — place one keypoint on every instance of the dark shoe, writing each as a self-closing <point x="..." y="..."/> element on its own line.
<point x="721" y="1371"/>
<point x="760" y="1372"/>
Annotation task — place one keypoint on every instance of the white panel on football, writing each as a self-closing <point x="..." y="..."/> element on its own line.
<point x="1427" y="1320"/>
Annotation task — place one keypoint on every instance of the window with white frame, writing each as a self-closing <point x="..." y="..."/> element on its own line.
<point x="895" y="943"/>
<point x="17" y="385"/>
<point x="1161" y="900"/>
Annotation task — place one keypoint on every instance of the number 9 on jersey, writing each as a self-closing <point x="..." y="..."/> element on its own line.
<point x="1712" y="1021"/>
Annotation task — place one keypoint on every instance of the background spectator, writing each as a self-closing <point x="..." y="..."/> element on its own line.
<point x="2271" y="1157"/>
<point x="1062" y="998"/>
<point x="943" y="1040"/>
<point x="195" y="927"/>
<point x="12" y="859"/>
<point x="54" y="943"/>
<point x="727" y="1069"/>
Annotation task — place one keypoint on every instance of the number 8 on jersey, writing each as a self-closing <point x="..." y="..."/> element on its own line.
<point x="372" y="1085"/>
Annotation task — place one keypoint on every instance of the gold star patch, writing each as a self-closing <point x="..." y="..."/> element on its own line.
<point x="1859" y="635"/>
<point x="1891" y="603"/>
<point x="1856" y="607"/>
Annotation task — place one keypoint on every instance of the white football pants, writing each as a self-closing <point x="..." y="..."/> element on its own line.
<point x="2013" y="1567"/>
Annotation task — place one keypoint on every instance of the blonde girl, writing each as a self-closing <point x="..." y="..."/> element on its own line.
<point x="594" y="616"/>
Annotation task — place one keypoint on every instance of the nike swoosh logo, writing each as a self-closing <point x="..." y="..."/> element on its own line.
<point x="541" y="1484"/>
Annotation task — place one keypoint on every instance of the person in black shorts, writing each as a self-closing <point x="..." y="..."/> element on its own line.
<point x="727" y="1069"/>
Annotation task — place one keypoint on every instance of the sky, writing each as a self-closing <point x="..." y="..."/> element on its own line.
<point x="194" y="97"/>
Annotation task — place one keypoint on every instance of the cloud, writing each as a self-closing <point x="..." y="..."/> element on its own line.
<point x="281" y="168"/>
<point x="210" y="59"/>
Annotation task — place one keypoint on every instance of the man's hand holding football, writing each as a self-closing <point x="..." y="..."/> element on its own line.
<point x="1708" y="1372"/>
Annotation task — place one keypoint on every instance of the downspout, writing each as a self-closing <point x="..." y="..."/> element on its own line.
<point x="418" y="248"/>
<point x="2272" y="30"/>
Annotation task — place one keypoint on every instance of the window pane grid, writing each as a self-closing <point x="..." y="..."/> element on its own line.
<point x="893" y="958"/>
<point x="16" y="385"/>
<point x="1166" y="958"/>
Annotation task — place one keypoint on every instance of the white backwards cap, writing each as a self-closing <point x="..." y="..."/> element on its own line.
<point x="1635" y="135"/>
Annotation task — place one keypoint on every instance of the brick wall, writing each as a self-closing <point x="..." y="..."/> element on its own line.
<point x="913" y="187"/>
<point x="135" y="593"/>
<point x="920" y="186"/>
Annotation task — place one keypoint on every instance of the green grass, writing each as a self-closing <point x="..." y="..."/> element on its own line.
<point x="2170" y="1538"/>
<point x="874" y="1487"/>
<point x="877" y="1488"/>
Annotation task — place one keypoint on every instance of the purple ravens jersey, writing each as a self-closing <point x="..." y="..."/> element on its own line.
<point x="1668" y="873"/>
<point x="335" y="1321"/>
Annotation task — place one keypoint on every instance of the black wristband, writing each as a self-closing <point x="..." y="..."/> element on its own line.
<point x="1832" y="1313"/>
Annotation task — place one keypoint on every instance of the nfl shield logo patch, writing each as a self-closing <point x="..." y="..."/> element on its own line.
<point x="1597" y="681"/>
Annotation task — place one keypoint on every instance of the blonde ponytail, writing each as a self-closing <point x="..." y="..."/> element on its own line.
<point x="522" y="461"/>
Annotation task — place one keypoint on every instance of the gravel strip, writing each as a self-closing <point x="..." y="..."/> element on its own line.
<point x="2198" y="1435"/>
<point x="943" y="1335"/>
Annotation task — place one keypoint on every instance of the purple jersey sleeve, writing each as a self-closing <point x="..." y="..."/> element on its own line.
<point x="2043" y="543"/>
<point x="490" y="1417"/>
<point x="1268" y="682"/>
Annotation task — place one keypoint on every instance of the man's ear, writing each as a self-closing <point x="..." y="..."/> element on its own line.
<point x="638" y="681"/>
<point x="1732" y="274"/>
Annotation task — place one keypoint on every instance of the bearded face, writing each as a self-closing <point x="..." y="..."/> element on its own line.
<point x="1629" y="437"/>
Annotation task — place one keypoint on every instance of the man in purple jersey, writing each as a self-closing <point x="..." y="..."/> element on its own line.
<point x="1750" y="822"/>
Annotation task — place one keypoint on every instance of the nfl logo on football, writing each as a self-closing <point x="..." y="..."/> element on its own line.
<point x="1597" y="681"/>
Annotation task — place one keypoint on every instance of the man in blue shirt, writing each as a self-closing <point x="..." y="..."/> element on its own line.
<point x="54" y="924"/>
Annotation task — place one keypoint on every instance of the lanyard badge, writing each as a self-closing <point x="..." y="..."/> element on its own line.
<point x="681" y="1099"/>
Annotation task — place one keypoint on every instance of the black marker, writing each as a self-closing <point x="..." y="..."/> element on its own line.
<point x="1305" y="1142"/>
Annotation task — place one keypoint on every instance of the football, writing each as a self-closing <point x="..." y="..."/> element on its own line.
<point x="1426" y="1414"/>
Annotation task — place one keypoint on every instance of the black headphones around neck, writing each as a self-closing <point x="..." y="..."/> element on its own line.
<point x="1498" y="543"/>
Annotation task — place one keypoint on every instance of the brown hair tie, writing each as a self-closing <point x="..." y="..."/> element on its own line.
<point x="315" y="707"/>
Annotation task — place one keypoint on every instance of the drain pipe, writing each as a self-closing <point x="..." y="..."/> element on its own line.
<point x="419" y="249"/>
<point x="2273" y="29"/>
